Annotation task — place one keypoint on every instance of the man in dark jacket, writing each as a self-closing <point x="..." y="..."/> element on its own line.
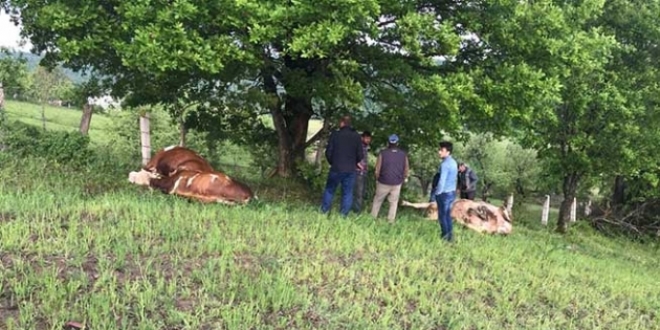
<point x="343" y="152"/>
<point x="361" y="177"/>
<point x="467" y="180"/>
<point x="391" y="172"/>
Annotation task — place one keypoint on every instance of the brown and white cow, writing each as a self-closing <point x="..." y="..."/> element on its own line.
<point x="181" y="171"/>
<point x="175" y="158"/>
<point x="207" y="187"/>
<point x="476" y="215"/>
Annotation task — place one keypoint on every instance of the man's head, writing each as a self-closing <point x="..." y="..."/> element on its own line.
<point x="445" y="149"/>
<point x="393" y="140"/>
<point x="462" y="167"/>
<point x="366" y="137"/>
<point x="345" y="121"/>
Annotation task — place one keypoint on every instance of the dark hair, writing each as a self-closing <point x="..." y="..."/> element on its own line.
<point x="366" y="133"/>
<point x="346" y="119"/>
<point x="447" y="145"/>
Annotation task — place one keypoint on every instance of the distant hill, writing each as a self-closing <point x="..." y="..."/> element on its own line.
<point x="33" y="62"/>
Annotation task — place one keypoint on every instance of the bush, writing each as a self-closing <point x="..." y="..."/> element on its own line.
<point x="64" y="148"/>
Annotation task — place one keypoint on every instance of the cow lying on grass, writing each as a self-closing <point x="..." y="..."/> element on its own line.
<point x="174" y="158"/>
<point x="181" y="171"/>
<point x="207" y="187"/>
<point x="476" y="215"/>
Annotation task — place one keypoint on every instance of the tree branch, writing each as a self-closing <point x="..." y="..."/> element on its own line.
<point x="320" y="134"/>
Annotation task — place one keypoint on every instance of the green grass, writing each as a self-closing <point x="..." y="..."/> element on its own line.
<point x="121" y="257"/>
<point x="87" y="246"/>
<point x="58" y="118"/>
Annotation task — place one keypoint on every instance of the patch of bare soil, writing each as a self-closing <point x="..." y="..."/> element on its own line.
<point x="8" y="305"/>
<point x="7" y="216"/>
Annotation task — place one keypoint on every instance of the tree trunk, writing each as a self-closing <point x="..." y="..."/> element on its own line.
<point x="569" y="188"/>
<point x="618" y="193"/>
<point x="2" y="98"/>
<point x="485" y="191"/>
<point x="291" y="133"/>
<point x="145" y="138"/>
<point x="520" y="188"/>
<point x="2" y="117"/>
<point x="86" y="119"/>
<point x="424" y="185"/>
<point x="320" y="150"/>
<point x="43" y="115"/>
<point x="182" y="132"/>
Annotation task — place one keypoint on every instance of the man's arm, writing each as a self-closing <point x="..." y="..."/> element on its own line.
<point x="406" y="169"/>
<point x="434" y="185"/>
<point x="360" y="152"/>
<point x="378" y="161"/>
<point x="329" y="148"/>
<point x="473" y="177"/>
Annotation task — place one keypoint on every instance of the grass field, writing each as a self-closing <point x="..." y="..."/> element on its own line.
<point x="93" y="249"/>
<point x="57" y="118"/>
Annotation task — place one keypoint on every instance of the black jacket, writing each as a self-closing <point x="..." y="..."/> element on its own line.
<point x="344" y="150"/>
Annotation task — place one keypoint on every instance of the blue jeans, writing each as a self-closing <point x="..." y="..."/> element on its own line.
<point x="347" y="180"/>
<point x="444" y="201"/>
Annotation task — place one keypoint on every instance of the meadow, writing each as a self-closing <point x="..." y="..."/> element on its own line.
<point x="87" y="246"/>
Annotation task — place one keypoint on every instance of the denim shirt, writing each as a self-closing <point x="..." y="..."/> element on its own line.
<point x="448" y="176"/>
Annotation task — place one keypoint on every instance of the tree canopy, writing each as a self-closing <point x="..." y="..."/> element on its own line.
<point x="576" y="81"/>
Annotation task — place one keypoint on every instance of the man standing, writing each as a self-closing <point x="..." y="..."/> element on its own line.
<point x="361" y="177"/>
<point x="445" y="192"/>
<point x="391" y="172"/>
<point x="467" y="181"/>
<point x="344" y="152"/>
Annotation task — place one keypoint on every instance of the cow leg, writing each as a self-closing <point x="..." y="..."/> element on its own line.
<point x="416" y="205"/>
<point x="226" y="202"/>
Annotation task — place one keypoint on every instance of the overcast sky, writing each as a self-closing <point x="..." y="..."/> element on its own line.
<point x="9" y="33"/>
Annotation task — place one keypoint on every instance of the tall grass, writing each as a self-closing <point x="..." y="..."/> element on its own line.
<point x="84" y="245"/>
<point x="114" y="256"/>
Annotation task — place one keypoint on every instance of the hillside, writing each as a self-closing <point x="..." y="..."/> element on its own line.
<point x="57" y="118"/>
<point x="86" y="246"/>
<point x="33" y="63"/>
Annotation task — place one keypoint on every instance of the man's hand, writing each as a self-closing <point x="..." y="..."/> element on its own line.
<point x="360" y="166"/>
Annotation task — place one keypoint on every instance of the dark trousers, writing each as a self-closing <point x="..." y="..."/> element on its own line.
<point x="358" y="199"/>
<point x="347" y="180"/>
<point x="468" y="194"/>
<point x="444" y="201"/>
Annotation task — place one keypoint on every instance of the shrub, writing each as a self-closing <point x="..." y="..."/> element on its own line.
<point x="65" y="148"/>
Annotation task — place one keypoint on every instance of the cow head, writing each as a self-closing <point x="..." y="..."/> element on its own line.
<point x="143" y="177"/>
<point x="505" y="209"/>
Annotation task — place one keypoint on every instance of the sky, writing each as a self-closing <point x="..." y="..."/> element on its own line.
<point x="9" y="33"/>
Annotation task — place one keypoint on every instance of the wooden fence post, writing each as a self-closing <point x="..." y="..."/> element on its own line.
<point x="573" y="209"/>
<point x="145" y="138"/>
<point x="546" y="211"/>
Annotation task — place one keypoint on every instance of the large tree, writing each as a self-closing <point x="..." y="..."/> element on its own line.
<point x="290" y="59"/>
<point x="590" y="119"/>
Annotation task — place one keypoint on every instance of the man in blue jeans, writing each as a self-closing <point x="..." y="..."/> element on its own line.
<point x="344" y="153"/>
<point x="445" y="191"/>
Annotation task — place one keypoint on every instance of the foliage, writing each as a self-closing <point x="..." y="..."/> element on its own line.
<point x="13" y="73"/>
<point x="65" y="148"/>
<point x="583" y="116"/>
<point x="45" y="86"/>
<point x="292" y="60"/>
